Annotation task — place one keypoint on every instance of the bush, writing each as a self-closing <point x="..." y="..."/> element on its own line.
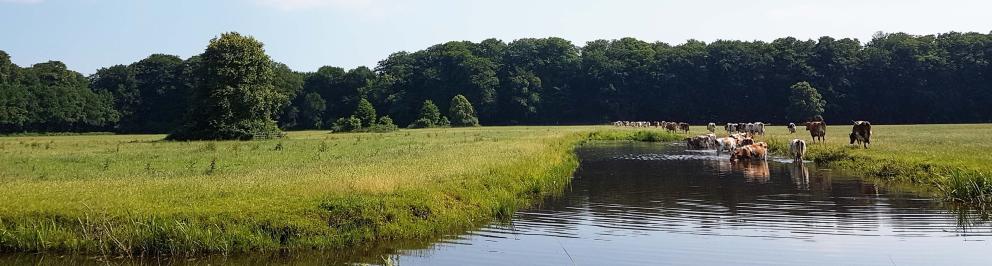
<point x="461" y="112"/>
<point x="384" y="124"/>
<point x="421" y="123"/>
<point x="349" y="124"/>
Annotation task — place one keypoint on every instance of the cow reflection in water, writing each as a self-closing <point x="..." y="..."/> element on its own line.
<point x="800" y="175"/>
<point x="804" y="181"/>
<point x="754" y="171"/>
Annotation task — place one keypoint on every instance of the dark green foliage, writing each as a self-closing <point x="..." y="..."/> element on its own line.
<point x="430" y="116"/>
<point x="892" y="78"/>
<point x="149" y="94"/>
<point x="349" y="124"/>
<point x="365" y="112"/>
<point x="47" y="97"/>
<point x="384" y="124"/>
<point x="461" y="112"/>
<point x="235" y="98"/>
<point x="805" y="102"/>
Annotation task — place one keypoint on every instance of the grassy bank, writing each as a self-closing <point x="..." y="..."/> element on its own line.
<point x="953" y="161"/>
<point x="134" y="194"/>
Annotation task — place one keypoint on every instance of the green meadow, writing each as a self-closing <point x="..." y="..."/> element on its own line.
<point x="139" y="195"/>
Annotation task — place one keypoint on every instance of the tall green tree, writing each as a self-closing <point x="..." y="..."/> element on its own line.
<point x="805" y="102"/>
<point x="365" y="112"/>
<point x="235" y="98"/>
<point x="461" y="112"/>
<point x="430" y="116"/>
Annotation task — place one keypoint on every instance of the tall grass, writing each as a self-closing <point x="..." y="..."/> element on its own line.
<point x="134" y="195"/>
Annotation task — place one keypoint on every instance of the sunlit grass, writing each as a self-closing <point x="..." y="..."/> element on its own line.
<point x="136" y="194"/>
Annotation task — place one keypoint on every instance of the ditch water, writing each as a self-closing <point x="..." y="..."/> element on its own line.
<point x="650" y="204"/>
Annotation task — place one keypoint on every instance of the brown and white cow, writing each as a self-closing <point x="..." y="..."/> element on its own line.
<point x="757" y="151"/>
<point x="861" y="133"/>
<point x="797" y="149"/>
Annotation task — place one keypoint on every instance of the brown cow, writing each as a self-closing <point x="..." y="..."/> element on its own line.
<point x="684" y="127"/>
<point x="671" y="126"/>
<point x="861" y="132"/>
<point x="817" y="130"/>
<point x="757" y="151"/>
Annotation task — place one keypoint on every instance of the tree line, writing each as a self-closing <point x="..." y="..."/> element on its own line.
<point x="892" y="78"/>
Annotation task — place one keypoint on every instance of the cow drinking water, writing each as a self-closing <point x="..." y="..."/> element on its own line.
<point x="861" y="133"/>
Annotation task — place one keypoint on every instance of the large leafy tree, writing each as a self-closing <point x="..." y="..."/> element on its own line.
<point x="462" y="113"/>
<point x="235" y="97"/>
<point x="365" y="112"/>
<point x="805" y="102"/>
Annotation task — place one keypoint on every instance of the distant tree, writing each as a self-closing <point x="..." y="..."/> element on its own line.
<point x="805" y="102"/>
<point x="312" y="109"/>
<point x="235" y="98"/>
<point x="430" y="116"/>
<point x="461" y="112"/>
<point x="365" y="112"/>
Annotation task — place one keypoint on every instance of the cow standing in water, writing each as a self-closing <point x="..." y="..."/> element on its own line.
<point x="861" y="133"/>
<point x="817" y="130"/>
<point x="797" y="149"/>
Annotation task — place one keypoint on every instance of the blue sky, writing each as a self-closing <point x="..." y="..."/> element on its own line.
<point x="307" y="34"/>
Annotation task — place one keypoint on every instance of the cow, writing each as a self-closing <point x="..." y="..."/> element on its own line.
<point x="797" y="149"/>
<point x="700" y="142"/>
<point x="861" y="132"/>
<point x="750" y="152"/>
<point x="817" y="130"/>
<point x="684" y="127"/>
<point x="745" y="141"/>
<point x="792" y="128"/>
<point x="711" y="127"/>
<point x="671" y="127"/>
<point x="726" y="144"/>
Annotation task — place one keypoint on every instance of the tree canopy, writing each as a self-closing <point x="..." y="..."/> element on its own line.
<point x="891" y="78"/>
<point x="805" y="102"/>
<point x="235" y="97"/>
<point x="462" y="113"/>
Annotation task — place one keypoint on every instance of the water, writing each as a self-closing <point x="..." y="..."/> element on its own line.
<point x="650" y="204"/>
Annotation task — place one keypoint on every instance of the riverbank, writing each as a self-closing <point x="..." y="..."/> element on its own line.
<point x="136" y="195"/>
<point x="952" y="161"/>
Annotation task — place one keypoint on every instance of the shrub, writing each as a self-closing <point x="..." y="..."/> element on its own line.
<point x="351" y="123"/>
<point x="461" y="112"/>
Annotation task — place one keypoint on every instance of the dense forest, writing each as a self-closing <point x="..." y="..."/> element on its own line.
<point x="893" y="78"/>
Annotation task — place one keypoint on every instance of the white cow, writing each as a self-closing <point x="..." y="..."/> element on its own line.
<point x="797" y="149"/>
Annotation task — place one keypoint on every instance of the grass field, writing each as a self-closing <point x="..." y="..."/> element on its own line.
<point x="135" y="194"/>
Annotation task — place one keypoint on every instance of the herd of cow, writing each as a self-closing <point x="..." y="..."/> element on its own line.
<point x="740" y="143"/>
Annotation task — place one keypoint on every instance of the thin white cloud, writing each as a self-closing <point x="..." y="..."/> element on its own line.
<point x="289" y="5"/>
<point x="26" y="2"/>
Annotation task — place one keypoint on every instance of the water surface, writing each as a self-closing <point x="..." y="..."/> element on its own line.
<point x="644" y="203"/>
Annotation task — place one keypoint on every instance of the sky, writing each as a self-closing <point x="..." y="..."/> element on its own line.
<point x="308" y="34"/>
